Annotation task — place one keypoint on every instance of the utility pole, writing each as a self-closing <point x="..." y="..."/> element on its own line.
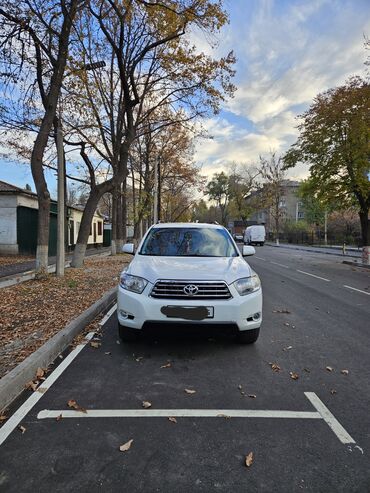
<point x="60" y="264"/>
<point x="156" y="201"/>
<point x="326" y="227"/>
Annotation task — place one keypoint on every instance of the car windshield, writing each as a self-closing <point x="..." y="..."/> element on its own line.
<point x="189" y="242"/>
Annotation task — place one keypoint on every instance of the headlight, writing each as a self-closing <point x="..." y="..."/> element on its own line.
<point x="133" y="283"/>
<point x="247" y="285"/>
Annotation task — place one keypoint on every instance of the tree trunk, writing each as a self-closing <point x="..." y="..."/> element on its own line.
<point x="124" y="212"/>
<point x="114" y="223"/>
<point x="365" y="235"/>
<point x="84" y="232"/>
<point x="119" y="239"/>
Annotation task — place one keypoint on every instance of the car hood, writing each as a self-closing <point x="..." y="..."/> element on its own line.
<point x="227" y="269"/>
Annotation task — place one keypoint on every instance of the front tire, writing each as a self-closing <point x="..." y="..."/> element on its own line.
<point x="248" y="336"/>
<point x="127" y="334"/>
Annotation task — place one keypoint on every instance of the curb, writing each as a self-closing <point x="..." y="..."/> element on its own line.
<point x="12" y="384"/>
<point x="356" y="264"/>
<point x="308" y="249"/>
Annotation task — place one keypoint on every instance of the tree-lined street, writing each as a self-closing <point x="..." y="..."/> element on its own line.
<point x="314" y="338"/>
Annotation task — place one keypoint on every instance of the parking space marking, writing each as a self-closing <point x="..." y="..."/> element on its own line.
<point x="327" y="416"/>
<point x="107" y="316"/>
<point x="260" y="258"/>
<point x="355" y="289"/>
<point x="26" y="407"/>
<point x="178" y="413"/>
<point x="313" y="275"/>
<point x="321" y="412"/>
<point x="281" y="265"/>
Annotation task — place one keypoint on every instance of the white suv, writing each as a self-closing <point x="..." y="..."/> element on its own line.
<point x="189" y="273"/>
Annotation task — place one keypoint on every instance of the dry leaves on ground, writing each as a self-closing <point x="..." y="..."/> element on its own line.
<point x="172" y="419"/>
<point x="146" y="404"/>
<point x="168" y="365"/>
<point x="22" y="428"/>
<point x="293" y="375"/>
<point x="15" y="259"/>
<point x="344" y="372"/>
<point x="329" y="368"/>
<point x="275" y="367"/>
<point x="51" y="304"/>
<point x="249" y="459"/>
<point x="126" y="446"/>
<point x="73" y="404"/>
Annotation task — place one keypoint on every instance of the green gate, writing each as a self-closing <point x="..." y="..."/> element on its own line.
<point x="27" y="231"/>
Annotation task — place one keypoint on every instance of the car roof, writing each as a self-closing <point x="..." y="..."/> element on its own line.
<point x="188" y="225"/>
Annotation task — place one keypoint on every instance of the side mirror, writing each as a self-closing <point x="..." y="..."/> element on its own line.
<point x="248" y="250"/>
<point x="130" y="248"/>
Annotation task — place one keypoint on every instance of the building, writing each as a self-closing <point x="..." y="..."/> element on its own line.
<point x="290" y="206"/>
<point x="18" y="222"/>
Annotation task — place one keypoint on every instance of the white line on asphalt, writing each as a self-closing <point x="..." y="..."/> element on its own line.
<point x="26" y="407"/>
<point x="178" y="413"/>
<point x="107" y="316"/>
<point x="327" y="416"/>
<point x="355" y="289"/>
<point x="281" y="265"/>
<point x="260" y="258"/>
<point x="313" y="275"/>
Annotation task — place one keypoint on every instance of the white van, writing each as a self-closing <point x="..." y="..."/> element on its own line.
<point x="255" y="235"/>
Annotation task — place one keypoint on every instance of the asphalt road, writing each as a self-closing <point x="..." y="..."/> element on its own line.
<point x="310" y="323"/>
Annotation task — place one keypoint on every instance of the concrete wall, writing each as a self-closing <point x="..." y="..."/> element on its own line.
<point x="8" y="224"/>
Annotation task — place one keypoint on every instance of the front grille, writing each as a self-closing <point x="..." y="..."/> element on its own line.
<point x="206" y="290"/>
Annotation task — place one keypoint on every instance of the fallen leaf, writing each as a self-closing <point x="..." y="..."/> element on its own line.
<point x="21" y="428"/>
<point x="329" y="368"/>
<point x="189" y="391"/>
<point x="73" y="404"/>
<point x="344" y="372"/>
<point x="108" y="352"/>
<point x="126" y="446"/>
<point x="223" y="416"/>
<point x="249" y="459"/>
<point x="333" y="391"/>
<point x="146" y="404"/>
<point x="293" y="375"/>
<point x="281" y="311"/>
<point x="275" y="367"/>
<point x="31" y="385"/>
<point x="40" y="373"/>
<point x="95" y="345"/>
<point x="287" y="324"/>
<point x="3" y="417"/>
<point x="252" y="396"/>
<point x="58" y="418"/>
<point x="168" y="365"/>
<point x="42" y="390"/>
<point x="139" y="358"/>
<point x="287" y="348"/>
<point x="172" y="419"/>
<point x="239" y="387"/>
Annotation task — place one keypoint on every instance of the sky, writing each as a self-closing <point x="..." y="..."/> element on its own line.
<point x="287" y="52"/>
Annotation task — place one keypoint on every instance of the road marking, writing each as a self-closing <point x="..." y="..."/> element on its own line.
<point x="355" y="289"/>
<point x="281" y="265"/>
<point x="327" y="416"/>
<point x="313" y="275"/>
<point x="107" y="316"/>
<point x="26" y="407"/>
<point x="260" y="258"/>
<point x="322" y="412"/>
<point x="178" y="413"/>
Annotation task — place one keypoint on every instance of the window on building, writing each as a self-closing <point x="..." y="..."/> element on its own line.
<point x="300" y="215"/>
<point x="90" y="232"/>
<point x="100" y="228"/>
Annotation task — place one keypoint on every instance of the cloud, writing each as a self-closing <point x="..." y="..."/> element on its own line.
<point x="287" y="53"/>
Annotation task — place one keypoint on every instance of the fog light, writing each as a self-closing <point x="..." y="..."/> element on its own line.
<point x="256" y="316"/>
<point x="124" y="314"/>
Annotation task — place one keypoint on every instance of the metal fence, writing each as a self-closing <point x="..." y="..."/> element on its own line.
<point x="317" y="238"/>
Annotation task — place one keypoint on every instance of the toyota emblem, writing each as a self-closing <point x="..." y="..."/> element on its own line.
<point x="190" y="289"/>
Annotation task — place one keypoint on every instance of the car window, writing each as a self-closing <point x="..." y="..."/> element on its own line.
<point x="188" y="242"/>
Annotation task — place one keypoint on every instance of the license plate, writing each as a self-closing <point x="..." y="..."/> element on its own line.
<point x="188" y="312"/>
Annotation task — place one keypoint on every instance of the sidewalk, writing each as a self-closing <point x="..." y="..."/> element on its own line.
<point x="18" y="268"/>
<point x="330" y="250"/>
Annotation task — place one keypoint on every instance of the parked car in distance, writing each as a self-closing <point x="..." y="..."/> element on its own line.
<point x="255" y="235"/>
<point x="238" y="237"/>
<point x="189" y="273"/>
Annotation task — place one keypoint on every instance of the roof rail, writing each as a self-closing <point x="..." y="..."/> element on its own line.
<point x="215" y="222"/>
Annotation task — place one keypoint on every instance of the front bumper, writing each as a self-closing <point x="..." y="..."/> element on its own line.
<point x="133" y="309"/>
